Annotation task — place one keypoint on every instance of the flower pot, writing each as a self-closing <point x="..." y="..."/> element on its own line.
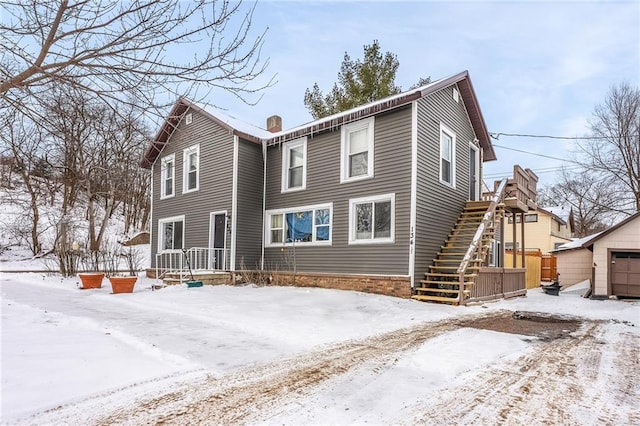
<point x="122" y="284"/>
<point x="93" y="280"/>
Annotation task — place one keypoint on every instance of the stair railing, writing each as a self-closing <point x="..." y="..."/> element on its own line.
<point x="477" y="238"/>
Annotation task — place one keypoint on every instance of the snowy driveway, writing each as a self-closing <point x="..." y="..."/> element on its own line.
<point x="224" y="355"/>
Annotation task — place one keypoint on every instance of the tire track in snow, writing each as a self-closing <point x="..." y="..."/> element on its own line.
<point x="243" y="395"/>
<point x="558" y="383"/>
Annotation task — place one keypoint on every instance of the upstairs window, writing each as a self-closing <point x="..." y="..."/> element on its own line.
<point x="372" y="219"/>
<point x="191" y="171"/>
<point x="447" y="156"/>
<point x="357" y="151"/>
<point x="303" y="225"/>
<point x="167" y="176"/>
<point x="171" y="233"/>
<point x="294" y="165"/>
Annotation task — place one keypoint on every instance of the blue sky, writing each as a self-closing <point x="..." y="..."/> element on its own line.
<point x="537" y="67"/>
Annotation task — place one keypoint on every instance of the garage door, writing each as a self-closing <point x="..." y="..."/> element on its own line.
<point x="625" y="274"/>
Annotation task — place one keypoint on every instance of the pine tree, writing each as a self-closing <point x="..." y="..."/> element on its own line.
<point x="359" y="82"/>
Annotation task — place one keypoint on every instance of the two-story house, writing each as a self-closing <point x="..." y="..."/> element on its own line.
<point x="363" y="199"/>
<point x="547" y="228"/>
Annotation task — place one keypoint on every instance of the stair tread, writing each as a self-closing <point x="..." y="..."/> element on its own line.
<point x="434" y="298"/>
<point x="437" y="290"/>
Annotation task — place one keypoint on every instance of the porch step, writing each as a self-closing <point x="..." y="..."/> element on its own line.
<point x="437" y="290"/>
<point x="440" y="299"/>
<point x="434" y="282"/>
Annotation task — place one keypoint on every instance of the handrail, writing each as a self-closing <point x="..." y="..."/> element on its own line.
<point x="199" y="259"/>
<point x="477" y="238"/>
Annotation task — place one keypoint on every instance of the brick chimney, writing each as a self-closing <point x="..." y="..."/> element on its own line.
<point x="274" y="124"/>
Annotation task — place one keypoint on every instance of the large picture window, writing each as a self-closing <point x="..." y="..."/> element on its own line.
<point x="372" y="219"/>
<point x="191" y="170"/>
<point x="447" y="156"/>
<point x="357" y="150"/>
<point x="302" y="225"/>
<point x="171" y="233"/>
<point x="294" y="165"/>
<point x="167" y="176"/>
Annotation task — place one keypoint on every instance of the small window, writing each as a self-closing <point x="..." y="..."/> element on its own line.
<point x="188" y="118"/>
<point x="305" y="225"/>
<point x="529" y="218"/>
<point x="357" y="151"/>
<point x="294" y="165"/>
<point x="171" y="233"/>
<point x="167" y="176"/>
<point x="372" y="219"/>
<point x="191" y="172"/>
<point x="447" y="156"/>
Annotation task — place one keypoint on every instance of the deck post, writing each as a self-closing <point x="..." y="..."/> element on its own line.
<point x="514" y="249"/>
<point x="522" y="237"/>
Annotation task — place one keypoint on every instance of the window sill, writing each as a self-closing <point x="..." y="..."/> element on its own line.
<point x="190" y="191"/>
<point x="372" y="241"/>
<point x="300" y="244"/>
<point x="356" y="179"/>
<point x="166" y="197"/>
<point x="284" y="191"/>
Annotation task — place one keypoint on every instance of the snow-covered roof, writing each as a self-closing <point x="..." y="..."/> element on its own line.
<point x="236" y="123"/>
<point x="562" y="212"/>
<point x="577" y="243"/>
<point x="258" y="134"/>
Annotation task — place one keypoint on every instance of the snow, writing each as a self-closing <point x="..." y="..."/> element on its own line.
<point x="89" y="351"/>
<point x="577" y="243"/>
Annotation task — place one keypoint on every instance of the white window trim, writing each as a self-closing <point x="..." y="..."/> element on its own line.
<point x="344" y="152"/>
<point x="287" y="146"/>
<point x="267" y="230"/>
<point x="352" y="219"/>
<point x="185" y="169"/>
<point x="163" y="176"/>
<point x="452" y="135"/>
<point x="160" y="241"/>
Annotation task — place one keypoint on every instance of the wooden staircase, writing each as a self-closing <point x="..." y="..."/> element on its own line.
<point x="454" y="271"/>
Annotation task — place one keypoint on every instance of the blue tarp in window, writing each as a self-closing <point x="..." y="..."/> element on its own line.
<point x="299" y="226"/>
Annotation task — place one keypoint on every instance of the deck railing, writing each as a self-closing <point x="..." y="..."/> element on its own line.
<point x="196" y="259"/>
<point x="476" y="243"/>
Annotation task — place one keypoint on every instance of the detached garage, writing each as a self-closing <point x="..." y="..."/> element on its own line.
<point x="610" y="259"/>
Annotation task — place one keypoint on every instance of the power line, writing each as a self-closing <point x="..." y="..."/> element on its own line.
<point x="536" y="154"/>
<point x="496" y="136"/>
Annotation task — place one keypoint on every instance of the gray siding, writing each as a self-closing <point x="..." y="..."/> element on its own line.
<point x="249" y="205"/>
<point x="392" y="174"/>
<point x="439" y="205"/>
<point x="216" y="174"/>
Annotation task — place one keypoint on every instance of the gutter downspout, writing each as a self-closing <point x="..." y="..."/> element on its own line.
<point x="264" y="200"/>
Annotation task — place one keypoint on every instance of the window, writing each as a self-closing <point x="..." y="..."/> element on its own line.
<point x="303" y="225"/>
<point x="372" y="219"/>
<point x="191" y="172"/>
<point x="557" y="245"/>
<point x="447" y="156"/>
<point x="357" y="151"/>
<point x="188" y="119"/>
<point x="167" y="176"/>
<point x="171" y="233"/>
<point x="528" y="218"/>
<point x="294" y="165"/>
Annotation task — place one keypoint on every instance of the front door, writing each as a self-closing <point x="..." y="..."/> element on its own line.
<point x="474" y="165"/>
<point x="217" y="240"/>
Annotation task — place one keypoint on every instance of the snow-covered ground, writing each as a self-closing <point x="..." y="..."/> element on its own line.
<point x="301" y="356"/>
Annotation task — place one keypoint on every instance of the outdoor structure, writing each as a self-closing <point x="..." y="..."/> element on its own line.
<point x="547" y="228"/>
<point x="609" y="259"/>
<point x="367" y="199"/>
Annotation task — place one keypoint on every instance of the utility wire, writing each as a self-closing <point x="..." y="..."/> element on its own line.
<point x="496" y="136"/>
<point x="533" y="153"/>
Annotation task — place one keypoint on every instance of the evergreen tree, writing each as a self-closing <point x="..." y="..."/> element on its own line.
<point x="359" y="82"/>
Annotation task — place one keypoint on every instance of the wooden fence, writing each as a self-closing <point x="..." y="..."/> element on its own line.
<point x="533" y="265"/>
<point x="497" y="283"/>
<point x="549" y="267"/>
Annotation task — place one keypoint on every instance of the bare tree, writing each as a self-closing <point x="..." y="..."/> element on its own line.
<point x="614" y="151"/>
<point x="24" y="144"/>
<point x="592" y="197"/>
<point x="133" y="52"/>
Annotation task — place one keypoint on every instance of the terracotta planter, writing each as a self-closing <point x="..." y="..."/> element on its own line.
<point x="93" y="280"/>
<point x="122" y="284"/>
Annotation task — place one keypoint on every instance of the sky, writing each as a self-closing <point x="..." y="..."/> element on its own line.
<point x="538" y="68"/>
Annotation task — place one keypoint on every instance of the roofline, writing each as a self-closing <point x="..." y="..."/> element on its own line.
<point x="553" y="215"/>
<point x="336" y="120"/>
<point x="610" y="230"/>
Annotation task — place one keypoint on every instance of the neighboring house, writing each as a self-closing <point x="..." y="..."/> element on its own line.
<point x="610" y="259"/>
<point x="546" y="229"/>
<point x="361" y="200"/>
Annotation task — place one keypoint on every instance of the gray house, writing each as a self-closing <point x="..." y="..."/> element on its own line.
<point x="362" y="200"/>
